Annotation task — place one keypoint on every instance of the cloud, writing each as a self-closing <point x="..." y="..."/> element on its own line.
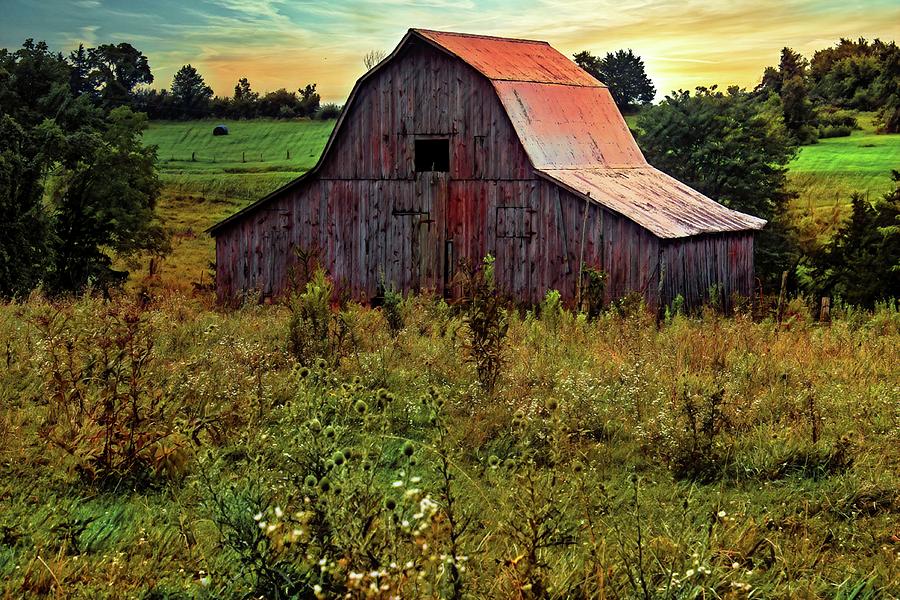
<point x="286" y="43"/>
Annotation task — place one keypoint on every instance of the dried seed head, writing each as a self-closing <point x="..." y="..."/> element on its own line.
<point x="361" y="407"/>
<point x="408" y="449"/>
<point x="310" y="481"/>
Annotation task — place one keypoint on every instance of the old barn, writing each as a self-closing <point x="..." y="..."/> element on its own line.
<point x="457" y="146"/>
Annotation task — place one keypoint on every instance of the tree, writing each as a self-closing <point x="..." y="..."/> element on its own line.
<point x="308" y="104"/>
<point x="623" y="73"/>
<point x="101" y="201"/>
<point x="861" y="263"/>
<point x="372" y="58"/>
<point x="732" y="149"/>
<point x="190" y="94"/>
<point x="116" y="69"/>
<point x="105" y="203"/>
<point x="245" y="100"/>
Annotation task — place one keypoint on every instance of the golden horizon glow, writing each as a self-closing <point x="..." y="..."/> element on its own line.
<point x="278" y="43"/>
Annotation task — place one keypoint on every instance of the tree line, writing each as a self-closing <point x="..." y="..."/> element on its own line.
<point x="114" y="75"/>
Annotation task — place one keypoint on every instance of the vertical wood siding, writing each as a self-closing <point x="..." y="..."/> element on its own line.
<point x="373" y="219"/>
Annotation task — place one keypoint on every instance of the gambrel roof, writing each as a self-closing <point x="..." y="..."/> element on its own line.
<point x="573" y="134"/>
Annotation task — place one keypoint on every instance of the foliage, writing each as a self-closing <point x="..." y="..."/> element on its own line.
<point x="105" y="200"/>
<point x="623" y="73"/>
<point x="486" y="320"/>
<point x="113" y="71"/>
<point x="315" y="331"/>
<point x="729" y="147"/>
<point x="789" y="83"/>
<point x="102" y="181"/>
<point x="190" y="94"/>
<point x="575" y="479"/>
<point x="861" y="263"/>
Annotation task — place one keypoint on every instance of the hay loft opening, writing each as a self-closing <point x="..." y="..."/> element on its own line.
<point x="432" y="154"/>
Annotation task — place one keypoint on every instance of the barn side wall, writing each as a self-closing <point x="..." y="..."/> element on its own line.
<point x="373" y="220"/>
<point x="692" y="267"/>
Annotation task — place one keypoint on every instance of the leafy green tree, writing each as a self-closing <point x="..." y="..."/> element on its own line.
<point x="105" y="204"/>
<point x="623" y="72"/>
<point x="190" y="94"/>
<point x="861" y="263"/>
<point x="245" y="101"/>
<point x="308" y="103"/>
<point x="116" y="69"/>
<point x="77" y="188"/>
<point x="735" y="150"/>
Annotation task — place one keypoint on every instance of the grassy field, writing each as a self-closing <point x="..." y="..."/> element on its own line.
<point x="181" y="451"/>
<point x="226" y="174"/>
<point x="826" y="174"/>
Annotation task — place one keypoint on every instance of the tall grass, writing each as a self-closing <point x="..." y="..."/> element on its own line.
<point x="613" y="457"/>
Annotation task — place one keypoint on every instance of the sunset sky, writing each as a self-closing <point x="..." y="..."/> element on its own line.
<point x="288" y="43"/>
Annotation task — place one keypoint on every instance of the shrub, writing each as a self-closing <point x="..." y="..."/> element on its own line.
<point x="833" y="131"/>
<point x="329" y="111"/>
<point x="484" y="311"/>
<point x="315" y="331"/>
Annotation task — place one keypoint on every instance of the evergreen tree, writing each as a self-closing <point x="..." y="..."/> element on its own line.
<point x="623" y="73"/>
<point x="190" y="94"/>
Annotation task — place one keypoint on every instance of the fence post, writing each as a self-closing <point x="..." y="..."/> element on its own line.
<point x="825" y="311"/>
<point x="243" y="157"/>
<point x="193" y="157"/>
<point x="288" y="155"/>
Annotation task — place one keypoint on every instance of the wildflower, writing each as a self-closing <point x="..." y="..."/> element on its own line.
<point x="205" y="581"/>
<point x="310" y="481"/>
<point x="338" y="458"/>
<point x="314" y="425"/>
<point x="390" y="504"/>
<point x="408" y="449"/>
<point x="278" y="512"/>
<point x="329" y="432"/>
<point x="552" y="405"/>
<point x="416" y="479"/>
<point x="303" y="373"/>
<point x="361" y="407"/>
<point x="325" y="485"/>
<point x="722" y="514"/>
<point x="257" y="516"/>
<point x="397" y="484"/>
<point x="321" y="364"/>
<point x="493" y="461"/>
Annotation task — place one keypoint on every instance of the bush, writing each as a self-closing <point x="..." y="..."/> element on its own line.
<point x="329" y="111"/>
<point x="833" y="131"/>
<point x="484" y="311"/>
<point x="315" y="331"/>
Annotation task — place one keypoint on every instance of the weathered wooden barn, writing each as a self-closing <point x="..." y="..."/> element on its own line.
<point x="457" y="146"/>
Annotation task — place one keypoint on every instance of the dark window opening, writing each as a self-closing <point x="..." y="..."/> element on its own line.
<point x="433" y="155"/>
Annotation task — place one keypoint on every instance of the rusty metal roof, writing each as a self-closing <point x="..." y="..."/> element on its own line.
<point x="575" y="136"/>
<point x="653" y="200"/>
<point x="509" y="59"/>
<point x="564" y="127"/>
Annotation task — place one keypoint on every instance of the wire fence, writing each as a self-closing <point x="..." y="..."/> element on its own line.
<point x="245" y="156"/>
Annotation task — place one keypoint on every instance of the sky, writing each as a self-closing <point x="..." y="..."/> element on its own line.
<point x="289" y="43"/>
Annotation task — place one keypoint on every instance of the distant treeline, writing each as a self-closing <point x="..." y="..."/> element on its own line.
<point x="114" y="75"/>
<point x="815" y="94"/>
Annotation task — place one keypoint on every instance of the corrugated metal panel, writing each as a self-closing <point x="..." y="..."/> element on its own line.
<point x="654" y="201"/>
<point x="511" y="59"/>
<point x="566" y="127"/>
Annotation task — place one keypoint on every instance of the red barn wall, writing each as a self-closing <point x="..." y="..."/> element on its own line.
<point x="374" y="219"/>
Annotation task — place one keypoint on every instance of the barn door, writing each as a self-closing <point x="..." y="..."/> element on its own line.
<point x="416" y="236"/>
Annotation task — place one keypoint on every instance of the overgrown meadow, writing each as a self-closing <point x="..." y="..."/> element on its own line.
<point x="172" y="449"/>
